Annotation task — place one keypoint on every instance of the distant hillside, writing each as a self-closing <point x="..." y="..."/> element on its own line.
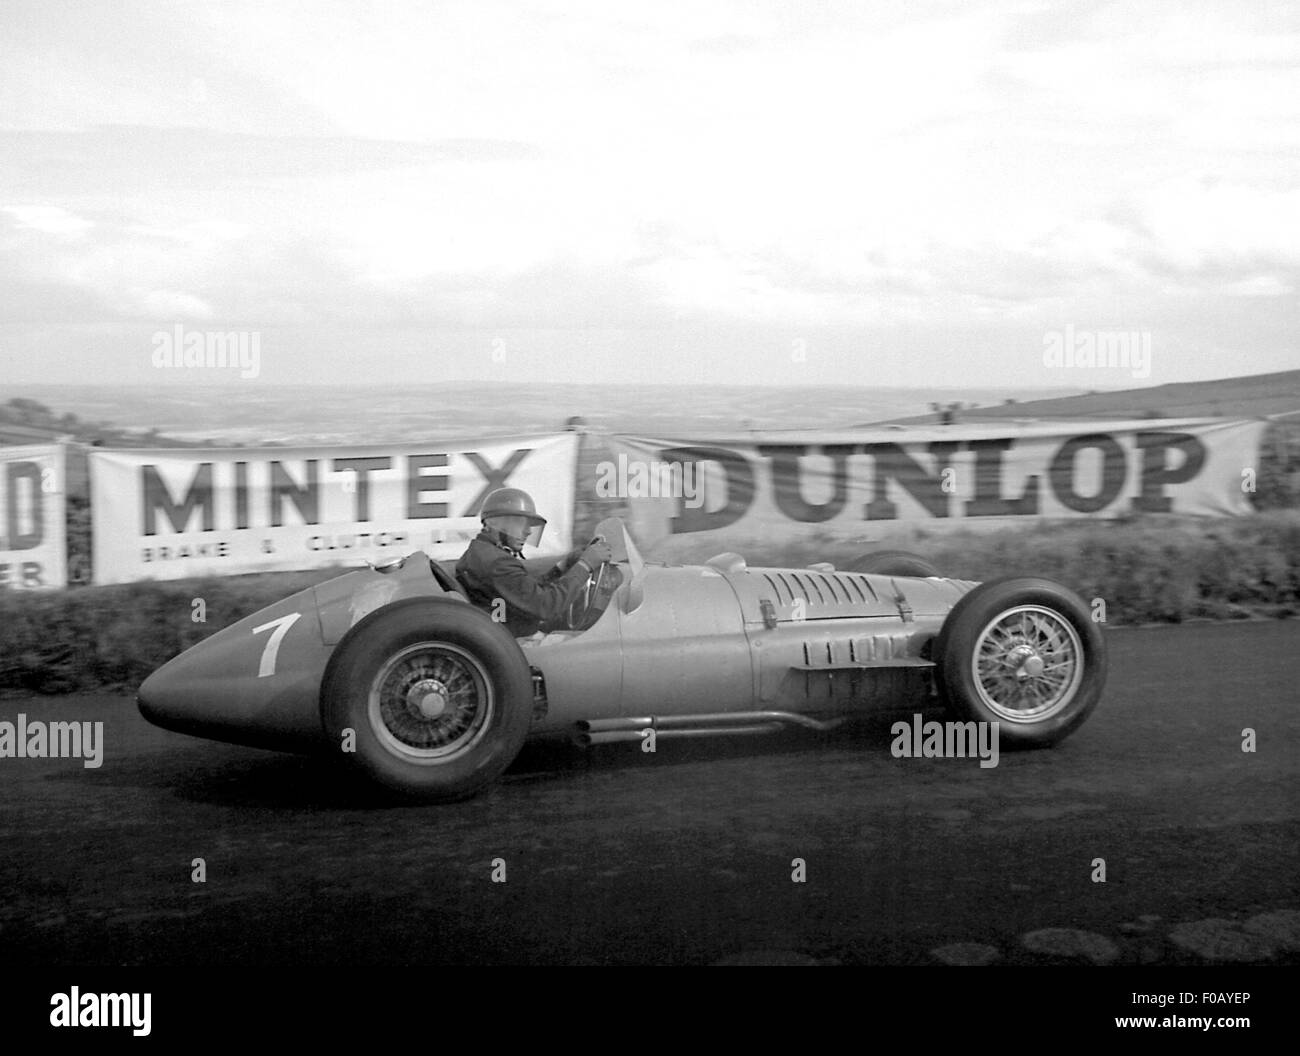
<point x="403" y="411"/>
<point x="1253" y="396"/>
<point x="27" y="421"/>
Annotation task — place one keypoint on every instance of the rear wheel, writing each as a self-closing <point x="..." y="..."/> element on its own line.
<point x="893" y="563"/>
<point x="1024" y="653"/>
<point x="438" y="698"/>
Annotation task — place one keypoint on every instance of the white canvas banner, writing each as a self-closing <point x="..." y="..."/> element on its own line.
<point x="33" y="531"/>
<point x="171" y="513"/>
<point x="842" y="483"/>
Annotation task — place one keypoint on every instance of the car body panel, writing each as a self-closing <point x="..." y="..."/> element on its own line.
<point x="674" y="641"/>
<point x="581" y="671"/>
<point x="839" y="637"/>
<point x="224" y="688"/>
<point x="685" y="644"/>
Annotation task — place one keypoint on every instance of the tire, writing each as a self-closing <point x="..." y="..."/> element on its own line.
<point x="893" y="563"/>
<point x="985" y="656"/>
<point x="438" y="696"/>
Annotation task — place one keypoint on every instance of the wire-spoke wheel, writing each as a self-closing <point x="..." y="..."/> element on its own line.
<point x="429" y="697"/>
<point x="1024" y="653"/>
<point x="1027" y="664"/>
<point x="431" y="701"/>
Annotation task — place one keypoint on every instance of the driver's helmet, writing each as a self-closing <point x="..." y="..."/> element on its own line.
<point x="514" y="502"/>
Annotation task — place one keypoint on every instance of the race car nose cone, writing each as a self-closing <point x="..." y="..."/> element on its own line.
<point x="156" y="696"/>
<point x="175" y="697"/>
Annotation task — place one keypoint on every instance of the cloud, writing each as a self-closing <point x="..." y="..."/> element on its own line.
<point x="50" y="219"/>
<point x="893" y="173"/>
<point x="126" y="159"/>
<point x="163" y="305"/>
<point x="725" y="44"/>
<point x="1203" y="227"/>
<point x="26" y="300"/>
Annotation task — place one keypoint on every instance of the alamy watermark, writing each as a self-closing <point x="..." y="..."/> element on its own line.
<point x="1098" y="350"/>
<point x="945" y="740"/>
<point x="75" y="1009"/>
<point x="636" y="479"/>
<point x="209" y="350"/>
<point x="53" y="740"/>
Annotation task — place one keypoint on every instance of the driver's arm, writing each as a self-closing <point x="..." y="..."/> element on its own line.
<point x="562" y="566"/>
<point x="592" y="555"/>
<point x="542" y="599"/>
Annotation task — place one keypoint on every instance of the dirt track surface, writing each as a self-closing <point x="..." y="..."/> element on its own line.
<point x="613" y="856"/>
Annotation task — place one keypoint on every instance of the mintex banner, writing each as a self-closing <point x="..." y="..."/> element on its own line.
<point x="844" y="482"/>
<point x="164" y="514"/>
<point x="33" y="549"/>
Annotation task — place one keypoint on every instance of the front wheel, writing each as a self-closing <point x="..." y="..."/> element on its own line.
<point x="1024" y="653"/>
<point x="429" y="698"/>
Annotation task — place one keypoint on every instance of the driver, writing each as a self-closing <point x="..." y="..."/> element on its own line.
<point x="492" y="569"/>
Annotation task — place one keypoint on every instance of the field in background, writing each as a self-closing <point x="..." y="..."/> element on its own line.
<point x="329" y="414"/>
<point x="380" y="411"/>
<point x="1251" y="396"/>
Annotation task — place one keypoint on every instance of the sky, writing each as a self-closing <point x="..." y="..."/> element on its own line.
<point x="893" y="193"/>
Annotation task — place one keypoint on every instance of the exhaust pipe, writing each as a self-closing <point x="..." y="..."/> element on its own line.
<point x="612" y="736"/>
<point x="607" y="731"/>
<point x="722" y="718"/>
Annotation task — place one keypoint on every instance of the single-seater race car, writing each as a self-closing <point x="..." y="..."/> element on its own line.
<point x="395" y="672"/>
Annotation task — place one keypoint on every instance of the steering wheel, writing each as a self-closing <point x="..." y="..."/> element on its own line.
<point x="587" y="607"/>
<point x="580" y="607"/>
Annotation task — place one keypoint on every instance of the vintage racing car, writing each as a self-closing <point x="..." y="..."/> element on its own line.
<point x="392" y="669"/>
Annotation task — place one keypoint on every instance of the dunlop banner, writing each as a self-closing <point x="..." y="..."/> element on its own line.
<point x="33" y="536"/>
<point x="856" y="484"/>
<point x="165" y="514"/>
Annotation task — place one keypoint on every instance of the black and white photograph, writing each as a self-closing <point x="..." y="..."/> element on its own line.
<point x="521" y="483"/>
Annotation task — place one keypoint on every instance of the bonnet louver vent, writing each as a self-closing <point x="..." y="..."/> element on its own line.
<point x="820" y="594"/>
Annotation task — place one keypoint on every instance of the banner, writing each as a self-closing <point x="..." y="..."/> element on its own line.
<point x="175" y="512"/>
<point x="854" y="484"/>
<point x="33" y="536"/>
